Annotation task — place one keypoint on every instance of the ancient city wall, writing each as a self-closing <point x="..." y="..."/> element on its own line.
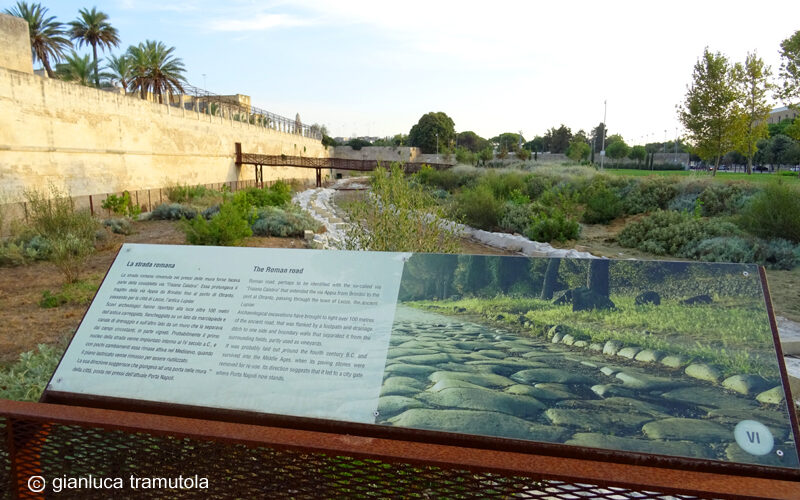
<point x="92" y="142"/>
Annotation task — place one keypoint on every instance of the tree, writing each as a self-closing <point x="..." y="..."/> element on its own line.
<point x="578" y="149"/>
<point x="76" y="69"/>
<point x="120" y="71"/>
<point x="434" y="130"/>
<point x="783" y="150"/>
<point x="752" y="80"/>
<point x="790" y="69"/>
<point x="550" y="279"/>
<point x="485" y="154"/>
<point x="638" y="154"/>
<point x="709" y="110"/>
<point x="617" y="149"/>
<point x="557" y="140"/>
<point x="92" y="28"/>
<point x="508" y="141"/>
<point x="155" y="69"/>
<point x="472" y="141"/>
<point x="48" y="42"/>
<point x="598" y="135"/>
<point x="537" y="144"/>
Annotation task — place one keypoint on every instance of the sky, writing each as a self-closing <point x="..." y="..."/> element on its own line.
<point x="373" y="68"/>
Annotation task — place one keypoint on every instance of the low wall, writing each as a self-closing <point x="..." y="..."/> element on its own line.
<point x="383" y="153"/>
<point x="91" y="141"/>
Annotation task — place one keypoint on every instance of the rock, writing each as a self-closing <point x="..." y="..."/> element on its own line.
<point x="541" y="393"/>
<point x="414" y="371"/>
<point x="398" y="352"/>
<point x="557" y="337"/>
<point x="708" y="398"/>
<point x="308" y="235"/>
<point x="584" y="299"/>
<point x="612" y="347"/>
<point x="688" y="429"/>
<point x="747" y="384"/>
<point x="676" y="448"/>
<point x="450" y="383"/>
<point x="556" y="329"/>
<point x="674" y="361"/>
<point x="425" y="359"/>
<point x="638" y="380"/>
<point x="484" y="423"/>
<point x="648" y="297"/>
<point x="581" y="343"/>
<point x="549" y="375"/>
<point x="609" y="370"/>
<point x="401" y="386"/>
<point x="611" y="390"/>
<point x="773" y="396"/>
<point x="466" y="398"/>
<point x="481" y="379"/>
<point x="649" y="356"/>
<point x="702" y="371"/>
<point x="563" y="298"/>
<point x="568" y="339"/>
<point x="389" y="406"/>
<point x="697" y="300"/>
<point x="595" y="346"/>
<point x="492" y="353"/>
<point x="628" y="352"/>
<point x="610" y="421"/>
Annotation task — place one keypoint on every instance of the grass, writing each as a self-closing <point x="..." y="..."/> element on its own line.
<point x="761" y="178"/>
<point x="26" y="379"/>
<point x="78" y="293"/>
<point x="735" y="335"/>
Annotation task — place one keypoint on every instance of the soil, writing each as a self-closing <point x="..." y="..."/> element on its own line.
<point x="25" y="324"/>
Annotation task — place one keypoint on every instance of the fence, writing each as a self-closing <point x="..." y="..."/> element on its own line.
<point x="253" y="461"/>
<point x="147" y="199"/>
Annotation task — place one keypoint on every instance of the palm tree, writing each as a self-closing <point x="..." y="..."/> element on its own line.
<point x="92" y="28"/>
<point x="121" y="70"/>
<point x="155" y="69"/>
<point x="76" y="69"/>
<point x="47" y="37"/>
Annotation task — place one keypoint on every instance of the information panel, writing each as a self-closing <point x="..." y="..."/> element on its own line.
<point x="278" y="331"/>
<point x="667" y="358"/>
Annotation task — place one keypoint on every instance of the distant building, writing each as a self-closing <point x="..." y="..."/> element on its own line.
<point x="777" y="115"/>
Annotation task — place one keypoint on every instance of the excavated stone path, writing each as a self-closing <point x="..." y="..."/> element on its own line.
<point x="452" y="374"/>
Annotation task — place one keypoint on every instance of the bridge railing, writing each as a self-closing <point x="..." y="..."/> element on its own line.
<point x="203" y="101"/>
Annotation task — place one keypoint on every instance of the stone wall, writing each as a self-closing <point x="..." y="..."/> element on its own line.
<point x="92" y="142"/>
<point x="15" y="45"/>
<point x="382" y="153"/>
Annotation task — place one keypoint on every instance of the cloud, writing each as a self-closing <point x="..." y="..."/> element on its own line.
<point x="260" y="22"/>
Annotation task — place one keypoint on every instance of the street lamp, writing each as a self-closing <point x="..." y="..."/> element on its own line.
<point x="437" y="143"/>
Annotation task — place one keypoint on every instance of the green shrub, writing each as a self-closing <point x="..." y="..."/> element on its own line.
<point x="174" y="211"/>
<point x="672" y="233"/>
<point x="602" y="206"/>
<point x="227" y="228"/>
<point x="686" y="202"/>
<point x="71" y="233"/>
<point x="274" y="221"/>
<point x="277" y="195"/>
<point x="773" y="254"/>
<point x="122" y="205"/>
<point x="773" y="213"/>
<point x="721" y="199"/>
<point x="650" y="194"/>
<point x="443" y="179"/>
<point x="121" y="225"/>
<point x="184" y="194"/>
<point x="503" y="184"/>
<point x="478" y="207"/>
<point x="77" y="293"/>
<point x="536" y="184"/>
<point x="516" y="218"/>
<point x="397" y="216"/>
<point x="26" y="379"/>
<point x="555" y="226"/>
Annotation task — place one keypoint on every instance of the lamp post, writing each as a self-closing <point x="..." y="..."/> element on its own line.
<point x="603" y="141"/>
<point x="437" y="143"/>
